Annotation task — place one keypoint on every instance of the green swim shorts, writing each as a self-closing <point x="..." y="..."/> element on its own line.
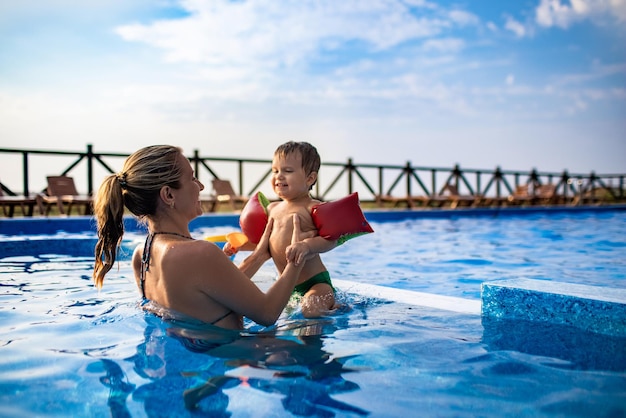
<point x="323" y="277"/>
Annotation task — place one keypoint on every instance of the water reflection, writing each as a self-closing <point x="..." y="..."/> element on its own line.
<point x="119" y="387"/>
<point x="190" y="369"/>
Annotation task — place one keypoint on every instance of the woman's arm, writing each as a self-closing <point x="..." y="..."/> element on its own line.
<point x="304" y="250"/>
<point x="236" y="291"/>
<point x="261" y="253"/>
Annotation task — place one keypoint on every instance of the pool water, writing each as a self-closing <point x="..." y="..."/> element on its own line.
<point x="68" y="350"/>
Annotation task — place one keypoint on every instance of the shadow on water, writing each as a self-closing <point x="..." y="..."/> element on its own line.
<point x="188" y="368"/>
<point x="582" y="350"/>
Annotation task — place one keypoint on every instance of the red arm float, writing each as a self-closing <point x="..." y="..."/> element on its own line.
<point x="341" y="219"/>
<point x="253" y="217"/>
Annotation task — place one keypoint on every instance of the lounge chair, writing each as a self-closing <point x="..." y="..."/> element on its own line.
<point x="223" y="192"/>
<point x="396" y="201"/>
<point x="545" y="194"/>
<point x="594" y="196"/>
<point x="522" y="195"/>
<point x="449" y="195"/>
<point x="9" y="203"/>
<point x="208" y="202"/>
<point x="61" y="191"/>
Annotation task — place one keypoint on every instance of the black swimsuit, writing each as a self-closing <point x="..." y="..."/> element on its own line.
<point x="145" y="264"/>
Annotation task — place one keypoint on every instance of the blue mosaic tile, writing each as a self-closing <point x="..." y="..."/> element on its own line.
<point x="591" y="308"/>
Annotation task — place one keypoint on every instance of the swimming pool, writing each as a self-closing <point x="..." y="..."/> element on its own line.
<point x="68" y="350"/>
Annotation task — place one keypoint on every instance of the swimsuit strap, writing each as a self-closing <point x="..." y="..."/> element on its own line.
<point x="145" y="262"/>
<point x="145" y="259"/>
<point x="222" y="317"/>
<point x="173" y="233"/>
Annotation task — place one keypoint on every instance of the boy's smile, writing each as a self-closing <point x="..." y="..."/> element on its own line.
<point x="289" y="181"/>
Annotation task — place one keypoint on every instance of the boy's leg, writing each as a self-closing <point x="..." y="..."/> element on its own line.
<point x="318" y="301"/>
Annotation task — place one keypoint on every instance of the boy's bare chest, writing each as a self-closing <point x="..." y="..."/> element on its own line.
<point x="283" y="219"/>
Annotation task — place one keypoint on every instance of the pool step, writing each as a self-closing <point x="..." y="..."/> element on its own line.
<point x="448" y="303"/>
<point x="591" y="308"/>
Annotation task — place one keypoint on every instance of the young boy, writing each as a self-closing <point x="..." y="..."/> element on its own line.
<point x="294" y="172"/>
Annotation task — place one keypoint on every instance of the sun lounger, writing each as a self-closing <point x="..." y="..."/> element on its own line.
<point x="61" y="191"/>
<point x="223" y="192"/>
<point x="450" y="196"/>
<point x="9" y="203"/>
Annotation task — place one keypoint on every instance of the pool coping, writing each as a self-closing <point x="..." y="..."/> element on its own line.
<point x="411" y="297"/>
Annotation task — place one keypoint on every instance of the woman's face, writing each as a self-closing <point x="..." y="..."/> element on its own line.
<point x="187" y="197"/>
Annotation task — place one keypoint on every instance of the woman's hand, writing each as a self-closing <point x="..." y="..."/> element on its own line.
<point x="298" y="250"/>
<point x="229" y="250"/>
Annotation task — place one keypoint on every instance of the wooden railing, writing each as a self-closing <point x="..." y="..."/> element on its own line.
<point x="372" y="181"/>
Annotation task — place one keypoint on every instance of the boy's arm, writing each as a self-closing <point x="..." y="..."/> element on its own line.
<point x="319" y="245"/>
<point x="310" y="247"/>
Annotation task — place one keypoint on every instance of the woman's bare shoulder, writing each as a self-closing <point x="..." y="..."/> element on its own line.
<point x="137" y="254"/>
<point x="195" y="248"/>
<point x="185" y="249"/>
<point x="196" y="258"/>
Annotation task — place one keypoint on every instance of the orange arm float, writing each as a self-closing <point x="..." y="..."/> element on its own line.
<point x="235" y="239"/>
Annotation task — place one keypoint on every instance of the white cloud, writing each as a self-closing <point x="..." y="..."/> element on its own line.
<point x="279" y="34"/>
<point x="597" y="72"/>
<point x="514" y="26"/>
<point x="510" y="80"/>
<point x="492" y="26"/>
<point x="463" y="17"/>
<point x="564" y="14"/>
<point x="307" y="52"/>
<point x="444" y="45"/>
<point x="273" y="37"/>
<point x="303" y="52"/>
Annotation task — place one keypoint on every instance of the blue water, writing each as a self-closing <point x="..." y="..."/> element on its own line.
<point x="454" y="256"/>
<point x="68" y="350"/>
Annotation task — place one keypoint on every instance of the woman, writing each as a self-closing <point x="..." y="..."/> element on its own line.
<point x="193" y="277"/>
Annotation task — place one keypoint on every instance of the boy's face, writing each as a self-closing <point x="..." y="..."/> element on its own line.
<point x="289" y="180"/>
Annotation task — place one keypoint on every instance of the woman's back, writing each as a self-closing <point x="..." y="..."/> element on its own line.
<point x="180" y="273"/>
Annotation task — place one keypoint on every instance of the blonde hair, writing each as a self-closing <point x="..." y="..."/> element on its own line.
<point x="137" y="188"/>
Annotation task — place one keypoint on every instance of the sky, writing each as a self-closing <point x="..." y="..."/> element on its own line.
<point x="516" y="84"/>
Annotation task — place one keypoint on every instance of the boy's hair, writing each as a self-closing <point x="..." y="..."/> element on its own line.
<point x="310" y="158"/>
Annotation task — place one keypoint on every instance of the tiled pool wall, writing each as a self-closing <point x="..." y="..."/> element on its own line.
<point x="596" y="309"/>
